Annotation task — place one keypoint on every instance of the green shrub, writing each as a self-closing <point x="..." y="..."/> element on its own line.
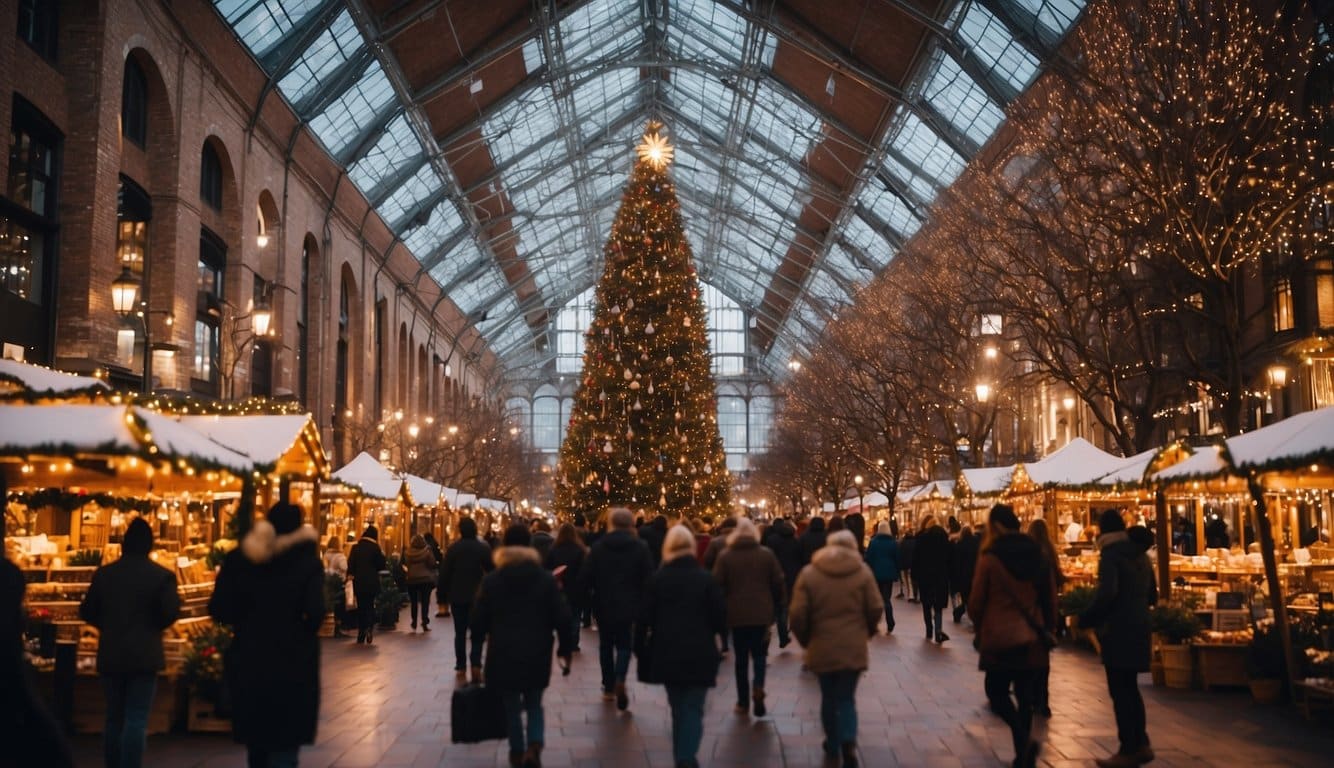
<point x="1076" y="600"/>
<point x="1176" y="623"/>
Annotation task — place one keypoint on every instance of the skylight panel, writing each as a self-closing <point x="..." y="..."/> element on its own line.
<point x="996" y="47"/>
<point x="410" y="194"/>
<point x="1055" y="15"/>
<point x="261" y="24"/>
<point x="486" y="286"/>
<point x="702" y="99"/>
<point x="839" y="261"/>
<point x="871" y="245"/>
<point x="920" y="146"/>
<point x="593" y="97"/>
<point x="530" y="120"/>
<point x="444" y="221"/>
<point x="395" y="149"/>
<point x="712" y="32"/>
<point x="783" y="121"/>
<point x="463" y="256"/>
<point x="597" y="25"/>
<point x="961" y="100"/>
<point x="532" y="55"/>
<point x="889" y="208"/>
<point x="822" y="286"/>
<point x="334" y="46"/>
<point x="354" y="109"/>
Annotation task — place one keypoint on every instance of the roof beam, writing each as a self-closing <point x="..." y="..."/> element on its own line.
<point x="334" y="85"/>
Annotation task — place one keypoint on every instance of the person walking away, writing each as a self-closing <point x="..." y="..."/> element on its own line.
<point x="963" y="562"/>
<point x="1012" y="602"/>
<point x="542" y="538"/>
<point x="836" y="608"/>
<point x="270" y="591"/>
<point x="466" y="562"/>
<point x="517" y="611"/>
<point x="783" y="542"/>
<point x="335" y="564"/>
<point x="1120" y="611"/>
<point x="130" y="602"/>
<point x="907" y="549"/>
<point x="441" y="604"/>
<point x="683" y="612"/>
<point x="364" y="564"/>
<point x="569" y="552"/>
<point x="614" y="578"/>
<point x="812" y="540"/>
<point x="931" y="573"/>
<point x="753" y="585"/>
<point x="1041" y="535"/>
<point x="718" y="543"/>
<point x="856" y="523"/>
<point x="421" y="580"/>
<point x="882" y="555"/>
<point x="653" y="534"/>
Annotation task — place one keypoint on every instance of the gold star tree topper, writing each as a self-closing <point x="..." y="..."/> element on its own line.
<point x="655" y="150"/>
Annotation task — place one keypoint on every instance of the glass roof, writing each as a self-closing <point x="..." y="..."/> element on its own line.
<point x="562" y="143"/>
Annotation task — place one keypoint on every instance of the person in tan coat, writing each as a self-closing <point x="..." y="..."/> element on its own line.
<point x="752" y="582"/>
<point x="835" y="609"/>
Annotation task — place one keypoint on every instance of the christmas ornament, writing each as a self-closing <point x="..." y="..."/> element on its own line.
<point x="686" y="322"/>
<point x="632" y="470"/>
<point x="634" y="385"/>
<point x="649" y="328"/>
<point x="628" y="374"/>
<point x="606" y="447"/>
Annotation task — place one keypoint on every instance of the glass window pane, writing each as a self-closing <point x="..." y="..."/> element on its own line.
<point x="761" y="422"/>
<point x="996" y="47"/>
<point x="732" y="423"/>
<point x="343" y="120"/>
<point x="546" y="424"/>
<point x="960" y="100"/>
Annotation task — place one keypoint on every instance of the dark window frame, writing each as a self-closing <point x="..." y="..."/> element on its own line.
<point x="134" y="103"/>
<point x="210" y="177"/>
<point x="39" y="26"/>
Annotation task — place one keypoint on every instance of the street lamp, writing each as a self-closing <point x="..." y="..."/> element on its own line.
<point x="983" y="392"/>
<point x="125" y="300"/>
<point x="860" y="496"/>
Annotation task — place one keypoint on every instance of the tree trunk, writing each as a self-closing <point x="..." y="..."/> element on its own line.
<point x="1267" y="552"/>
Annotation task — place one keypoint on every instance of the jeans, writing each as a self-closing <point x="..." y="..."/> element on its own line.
<point x="365" y="615"/>
<point x="614" y="653"/>
<point x="129" y="700"/>
<point x="419" y="598"/>
<point x="780" y="618"/>
<point x="752" y="647"/>
<point x="687" y="704"/>
<point x="1123" y="685"/>
<point x="270" y="758"/>
<point x="516" y="704"/>
<point x="886" y="597"/>
<point x="838" y="708"/>
<point x="462" y="613"/>
<point x="928" y="612"/>
<point x="1017" y="713"/>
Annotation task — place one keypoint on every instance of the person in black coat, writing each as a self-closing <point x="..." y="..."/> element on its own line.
<point x="653" y="535"/>
<point x="1120" y="611"/>
<point x="683" y="613"/>
<point x="963" y="561"/>
<point x="783" y="542"/>
<point x="931" y="572"/>
<point x="907" y="549"/>
<point x="614" y="578"/>
<point x="130" y="602"/>
<point x="519" y="608"/>
<point x="466" y="562"/>
<point x="364" y="563"/>
<point x="270" y="590"/>
<point x="811" y="540"/>
<point x="569" y="552"/>
<point x="31" y="736"/>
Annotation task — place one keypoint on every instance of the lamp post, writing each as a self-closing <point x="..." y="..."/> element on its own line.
<point x="125" y="299"/>
<point x="858" y="480"/>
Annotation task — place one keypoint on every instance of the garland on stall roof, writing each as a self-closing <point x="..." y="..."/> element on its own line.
<point x="68" y="501"/>
<point x="188" y="404"/>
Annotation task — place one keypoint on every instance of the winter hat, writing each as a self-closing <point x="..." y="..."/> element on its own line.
<point x="370" y="533"/>
<point x="745" y="529"/>
<point x="284" y="517"/>
<point x="418" y="541"/>
<point x="1111" y="521"/>
<point x="679" y="543"/>
<point x="138" y="538"/>
<point x="843" y="538"/>
<point x="882" y="529"/>
<point x="517" y="535"/>
<point x="1003" y="515"/>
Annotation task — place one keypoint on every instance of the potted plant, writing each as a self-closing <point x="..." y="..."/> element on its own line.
<point x="202" y="672"/>
<point x="1073" y="602"/>
<point x="334" y="596"/>
<point x="85" y="557"/>
<point x="1264" y="663"/>
<point x="1176" y="625"/>
<point x="388" y="602"/>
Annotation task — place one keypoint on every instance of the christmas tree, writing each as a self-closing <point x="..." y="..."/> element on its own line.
<point x="643" y="431"/>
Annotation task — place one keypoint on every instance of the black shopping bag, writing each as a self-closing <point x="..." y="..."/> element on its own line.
<point x="476" y="714"/>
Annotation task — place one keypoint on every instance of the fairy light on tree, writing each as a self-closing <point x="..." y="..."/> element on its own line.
<point x="643" y="430"/>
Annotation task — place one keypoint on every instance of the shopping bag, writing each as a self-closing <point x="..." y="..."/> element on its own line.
<point x="349" y="596"/>
<point x="476" y="713"/>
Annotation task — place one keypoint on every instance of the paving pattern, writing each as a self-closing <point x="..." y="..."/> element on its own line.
<point x="919" y="705"/>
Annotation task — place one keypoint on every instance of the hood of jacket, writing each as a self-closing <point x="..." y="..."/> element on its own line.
<point x="1020" y="555"/>
<point x="506" y="557"/>
<point x="837" y="561"/>
<point x="263" y="543"/>
<point x="1115" y="537"/>
<point x="783" y="528"/>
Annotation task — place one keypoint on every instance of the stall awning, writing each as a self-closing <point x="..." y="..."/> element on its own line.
<point x="424" y="492"/>
<point x="288" y="444"/>
<point x="22" y="381"/>
<point x="986" y="481"/>
<point x="373" y="478"/>
<point x="1077" y="464"/>
<point x="495" y="505"/>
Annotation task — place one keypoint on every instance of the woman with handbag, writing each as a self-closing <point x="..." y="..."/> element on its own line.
<point x="683" y="615"/>
<point x="1013" y="605"/>
<point x="421" y="580"/>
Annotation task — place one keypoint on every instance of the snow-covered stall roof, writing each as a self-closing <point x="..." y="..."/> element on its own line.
<point x="1208" y="462"/>
<point x="988" y="481"/>
<point x="372" y="477"/>
<point x="1294" y="442"/>
<point x="67" y="430"/>
<point x="31" y="382"/>
<point x="1077" y="464"/>
<point x="178" y="440"/>
<point x="424" y="492"/>
<point x="285" y="443"/>
<point x="1132" y="471"/>
<point x="495" y="505"/>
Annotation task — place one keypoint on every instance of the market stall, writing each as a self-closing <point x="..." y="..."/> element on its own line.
<point x="385" y="501"/>
<point x="22" y="382"/>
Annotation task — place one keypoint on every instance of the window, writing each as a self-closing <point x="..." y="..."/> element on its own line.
<point x="37" y="26"/>
<point x="990" y="324"/>
<point x="732" y="423"/>
<point x="519" y="415"/>
<point x="302" y="335"/>
<point x="133" y="212"/>
<point x="761" y="422"/>
<point x="31" y="171"/>
<point x="1283" y="315"/>
<point x="22" y="260"/>
<point x="212" y="261"/>
<point x="210" y="178"/>
<point x="571" y="324"/>
<point x="205" y="367"/>
<point x="1324" y="292"/>
<point x="546" y="420"/>
<point x="208" y="310"/>
<point x="134" y="104"/>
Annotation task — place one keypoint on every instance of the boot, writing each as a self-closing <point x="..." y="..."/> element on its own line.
<point x="849" y="754"/>
<point x="757" y="696"/>
<point x="476" y="675"/>
<point x="622" y="698"/>
<point x="516" y="760"/>
<point x="533" y="757"/>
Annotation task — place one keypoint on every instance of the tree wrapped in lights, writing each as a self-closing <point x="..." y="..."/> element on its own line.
<point x="643" y="430"/>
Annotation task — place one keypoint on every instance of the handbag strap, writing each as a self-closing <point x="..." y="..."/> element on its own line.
<point x="1033" y="624"/>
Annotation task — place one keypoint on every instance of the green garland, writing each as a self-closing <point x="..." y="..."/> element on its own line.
<point x="68" y="502"/>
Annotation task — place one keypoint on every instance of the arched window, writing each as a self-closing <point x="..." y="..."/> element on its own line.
<point x="571" y="324"/>
<point x="732" y="428"/>
<point x="519" y="414"/>
<point x="134" y="104"/>
<point x="761" y="421"/>
<point x="210" y="177"/>
<point x="546" y="420"/>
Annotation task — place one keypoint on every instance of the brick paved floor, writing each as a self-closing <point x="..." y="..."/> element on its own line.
<point x="919" y="705"/>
